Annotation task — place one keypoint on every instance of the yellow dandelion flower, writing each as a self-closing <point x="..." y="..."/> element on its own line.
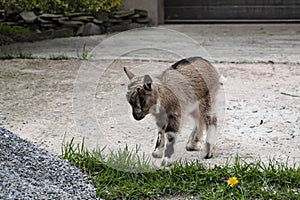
<point x="232" y="181"/>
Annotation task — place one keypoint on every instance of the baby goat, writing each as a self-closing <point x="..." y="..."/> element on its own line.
<point x="190" y="86"/>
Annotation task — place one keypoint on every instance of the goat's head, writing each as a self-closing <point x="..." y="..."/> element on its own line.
<point x="140" y="94"/>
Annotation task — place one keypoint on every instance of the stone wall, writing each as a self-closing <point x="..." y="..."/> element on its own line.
<point x="76" y="24"/>
<point x="155" y="8"/>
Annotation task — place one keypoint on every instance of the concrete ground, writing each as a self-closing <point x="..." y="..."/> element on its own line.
<point x="45" y="101"/>
<point x="279" y="43"/>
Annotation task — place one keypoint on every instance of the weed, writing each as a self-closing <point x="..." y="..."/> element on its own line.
<point x="59" y="57"/>
<point x="24" y="55"/>
<point x="84" y="54"/>
<point x="5" y="55"/>
<point x="129" y="160"/>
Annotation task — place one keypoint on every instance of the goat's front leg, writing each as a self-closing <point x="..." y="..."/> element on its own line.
<point x="171" y="132"/>
<point x="171" y="137"/>
<point x="160" y="145"/>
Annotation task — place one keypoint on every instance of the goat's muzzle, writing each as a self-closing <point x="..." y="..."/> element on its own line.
<point x="138" y="117"/>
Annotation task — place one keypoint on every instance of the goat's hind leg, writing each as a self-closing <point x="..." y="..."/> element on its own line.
<point x="211" y="137"/>
<point x="197" y="133"/>
<point x="213" y="116"/>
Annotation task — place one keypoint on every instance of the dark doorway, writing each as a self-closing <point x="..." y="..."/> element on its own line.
<point x="231" y="10"/>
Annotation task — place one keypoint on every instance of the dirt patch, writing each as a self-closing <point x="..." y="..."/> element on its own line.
<point x="262" y="118"/>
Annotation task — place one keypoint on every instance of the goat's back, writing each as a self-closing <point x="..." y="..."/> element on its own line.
<point x="192" y="79"/>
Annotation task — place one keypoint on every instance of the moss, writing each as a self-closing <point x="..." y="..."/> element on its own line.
<point x="12" y="31"/>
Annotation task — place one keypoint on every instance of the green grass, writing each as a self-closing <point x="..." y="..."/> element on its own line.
<point x="19" y="54"/>
<point x="84" y="53"/>
<point x="59" y="57"/>
<point x="6" y="55"/>
<point x="256" y="180"/>
<point x="12" y="31"/>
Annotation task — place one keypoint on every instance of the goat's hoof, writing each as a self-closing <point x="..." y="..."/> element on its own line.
<point x="157" y="154"/>
<point x="209" y="156"/>
<point x="191" y="148"/>
<point x="166" y="162"/>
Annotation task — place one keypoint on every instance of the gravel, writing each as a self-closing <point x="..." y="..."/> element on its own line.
<point x="29" y="172"/>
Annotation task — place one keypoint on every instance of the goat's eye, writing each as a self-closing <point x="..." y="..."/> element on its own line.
<point x="143" y="102"/>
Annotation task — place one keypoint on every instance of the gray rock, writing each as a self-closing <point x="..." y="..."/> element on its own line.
<point x="28" y="17"/>
<point x="102" y="16"/>
<point x="63" y="32"/>
<point x="142" y="13"/>
<point x="44" y="21"/>
<point x="124" y="13"/>
<point x="48" y="25"/>
<point x="135" y="16"/>
<point x="61" y="19"/>
<point x="97" y="21"/>
<point x="90" y="29"/>
<point x="115" y="20"/>
<point x="29" y="172"/>
<point x="122" y="27"/>
<point x="136" y="25"/>
<point x="50" y="16"/>
<point x="72" y="24"/>
<point x="142" y="20"/>
<point x="21" y="21"/>
<point x="83" y="18"/>
<point x="11" y="23"/>
<point x="77" y="14"/>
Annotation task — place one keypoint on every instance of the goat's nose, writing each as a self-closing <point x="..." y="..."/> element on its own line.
<point x="137" y="116"/>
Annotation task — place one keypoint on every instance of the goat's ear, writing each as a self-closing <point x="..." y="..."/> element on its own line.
<point x="147" y="82"/>
<point x="129" y="74"/>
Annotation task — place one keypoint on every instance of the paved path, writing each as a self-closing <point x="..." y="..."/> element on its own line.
<point x="279" y="43"/>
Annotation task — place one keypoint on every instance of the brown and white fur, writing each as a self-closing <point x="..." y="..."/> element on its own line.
<point x="189" y="86"/>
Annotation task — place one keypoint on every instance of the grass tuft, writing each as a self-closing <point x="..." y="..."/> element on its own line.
<point x="129" y="160"/>
<point x="115" y="176"/>
<point x="84" y="54"/>
<point x="6" y="55"/>
<point x="124" y="159"/>
<point x="59" y="57"/>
